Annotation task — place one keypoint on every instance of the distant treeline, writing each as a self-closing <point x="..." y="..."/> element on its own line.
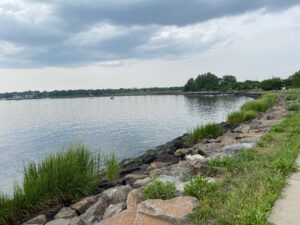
<point x="89" y="93"/>
<point x="210" y="82"/>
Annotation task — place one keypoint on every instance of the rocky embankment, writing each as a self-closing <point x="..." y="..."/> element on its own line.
<point x="120" y="203"/>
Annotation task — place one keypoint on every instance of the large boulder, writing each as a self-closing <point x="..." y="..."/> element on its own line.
<point x="131" y="178"/>
<point x="173" y="210"/>
<point x="38" y="220"/>
<point x="66" y="212"/>
<point x="113" y="209"/>
<point x="117" y="194"/>
<point x="141" y="182"/>
<point x="84" y="204"/>
<point x="95" y="212"/>
<point x="134" y="198"/>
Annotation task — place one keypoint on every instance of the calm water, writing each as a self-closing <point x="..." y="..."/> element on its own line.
<point x="127" y="125"/>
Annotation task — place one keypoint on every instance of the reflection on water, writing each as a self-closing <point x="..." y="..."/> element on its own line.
<point x="127" y="125"/>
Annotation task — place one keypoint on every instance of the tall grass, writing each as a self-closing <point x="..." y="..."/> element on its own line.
<point x="295" y="107"/>
<point x="252" y="109"/>
<point x="112" y="167"/>
<point x="58" y="178"/>
<point x="201" y="132"/>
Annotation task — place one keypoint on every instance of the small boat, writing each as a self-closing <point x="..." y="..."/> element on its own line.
<point x="112" y="97"/>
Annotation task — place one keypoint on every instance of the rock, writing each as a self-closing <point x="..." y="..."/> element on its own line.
<point x="38" y="220"/>
<point x="205" y="149"/>
<point x="208" y="171"/>
<point x="95" y="212"/>
<point x="141" y="182"/>
<point x="59" y="222"/>
<point x="195" y="160"/>
<point x="117" y="194"/>
<point x="271" y="116"/>
<point x="182" y="152"/>
<point x="233" y="148"/>
<point x="66" y="212"/>
<point x="178" y="183"/>
<point x="157" y="165"/>
<point x="113" y="209"/>
<point x="131" y="178"/>
<point x="84" y="204"/>
<point x="134" y="198"/>
<point x="167" y="158"/>
<point x="77" y="221"/>
<point x="173" y="210"/>
<point x="244" y="128"/>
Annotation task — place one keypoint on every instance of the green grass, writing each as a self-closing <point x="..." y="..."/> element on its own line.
<point x="293" y="95"/>
<point x="201" y="132"/>
<point x="59" y="178"/>
<point x="112" y="167"/>
<point x="199" y="186"/>
<point x="252" y="109"/>
<point x="253" y="180"/>
<point x="159" y="190"/>
<point x="294" y="107"/>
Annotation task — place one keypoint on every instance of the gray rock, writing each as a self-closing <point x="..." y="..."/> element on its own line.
<point x="77" y="221"/>
<point x="66" y="212"/>
<point x="134" y="198"/>
<point x="182" y="152"/>
<point x="131" y="178"/>
<point x="84" y="204"/>
<point x="113" y="209"/>
<point x="95" y="212"/>
<point x="38" y="220"/>
<point x="117" y="194"/>
<point x="141" y="182"/>
<point x="178" y="183"/>
<point x="59" y="222"/>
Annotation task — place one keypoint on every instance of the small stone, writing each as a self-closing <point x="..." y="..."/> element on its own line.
<point x="141" y="182"/>
<point x="157" y="165"/>
<point x="84" y="204"/>
<point x="173" y="210"/>
<point x="38" y="220"/>
<point x="131" y="178"/>
<point x="66" y="212"/>
<point x="182" y="152"/>
<point x="113" y="209"/>
<point x="134" y="198"/>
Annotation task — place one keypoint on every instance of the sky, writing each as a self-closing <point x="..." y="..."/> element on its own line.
<point x="92" y="44"/>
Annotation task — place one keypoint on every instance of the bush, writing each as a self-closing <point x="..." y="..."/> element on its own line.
<point x="235" y="118"/>
<point x="159" y="190"/>
<point x="61" y="177"/>
<point x="295" y="107"/>
<point x="198" y="187"/>
<point x="201" y="132"/>
<point x="260" y="105"/>
<point x="112" y="167"/>
<point x="251" y="114"/>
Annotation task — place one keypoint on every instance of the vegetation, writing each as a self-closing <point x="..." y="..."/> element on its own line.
<point x="159" y="190"/>
<point x="295" y="107"/>
<point x="59" y="178"/>
<point x="253" y="181"/>
<point x="112" y="167"/>
<point x="252" y="109"/>
<point x="199" y="186"/>
<point x="201" y="132"/>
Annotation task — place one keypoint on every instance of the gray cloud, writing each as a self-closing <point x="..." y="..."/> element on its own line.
<point x="77" y="32"/>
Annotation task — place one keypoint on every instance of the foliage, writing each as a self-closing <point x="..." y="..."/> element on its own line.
<point x="199" y="186"/>
<point x="204" y="131"/>
<point x="60" y="177"/>
<point x="250" y="114"/>
<point x="112" y="167"/>
<point x="272" y="84"/>
<point x="295" y="80"/>
<point x="254" y="179"/>
<point x="235" y="118"/>
<point x="295" y="107"/>
<point x="159" y="190"/>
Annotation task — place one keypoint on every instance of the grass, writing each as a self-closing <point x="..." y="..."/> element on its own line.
<point x="252" y="109"/>
<point x="112" y="167"/>
<point x="205" y="131"/>
<point x="293" y="95"/>
<point x="199" y="186"/>
<point x="294" y="107"/>
<point x="159" y="190"/>
<point x="59" y="178"/>
<point x="253" y="180"/>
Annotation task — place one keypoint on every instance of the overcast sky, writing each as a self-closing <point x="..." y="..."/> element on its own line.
<point x="71" y="44"/>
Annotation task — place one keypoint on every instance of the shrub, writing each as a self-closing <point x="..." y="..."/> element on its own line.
<point x="201" y="132"/>
<point x="159" y="190"/>
<point x="260" y="105"/>
<point x="60" y="177"/>
<point x="112" y="167"/>
<point x="291" y="97"/>
<point x="251" y="114"/>
<point x="199" y="186"/>
<point x="295" y="107"/>
<point x="235" y="118"/>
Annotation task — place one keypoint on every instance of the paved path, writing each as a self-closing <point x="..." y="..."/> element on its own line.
<point x="286" y="210"/>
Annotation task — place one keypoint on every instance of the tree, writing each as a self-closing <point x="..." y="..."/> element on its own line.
<point x="207" y="82"/>
<point x="295" y="79"/>
<point x="228" y="79"/>
<point x="271" y="84"/>
<point x="190" y="85"/>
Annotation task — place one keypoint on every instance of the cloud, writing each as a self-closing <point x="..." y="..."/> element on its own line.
<point x="73" y="33"/>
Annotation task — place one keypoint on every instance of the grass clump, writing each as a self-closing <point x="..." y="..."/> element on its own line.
<point x="159" y="190"/>
<point x="60" y="177"/>
<point x="199" y="186"/>
<point x="201" y="132"/>
<point x="295" y="107"/>
<point x="254" y="179"/>
<point x="235" y="118"/>
<point x="112" y="167"/>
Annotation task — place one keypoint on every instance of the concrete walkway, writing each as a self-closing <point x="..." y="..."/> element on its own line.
<point x="286" y="210"/>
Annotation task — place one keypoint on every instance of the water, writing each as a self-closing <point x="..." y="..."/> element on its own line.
<point x="127" y="125"/>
